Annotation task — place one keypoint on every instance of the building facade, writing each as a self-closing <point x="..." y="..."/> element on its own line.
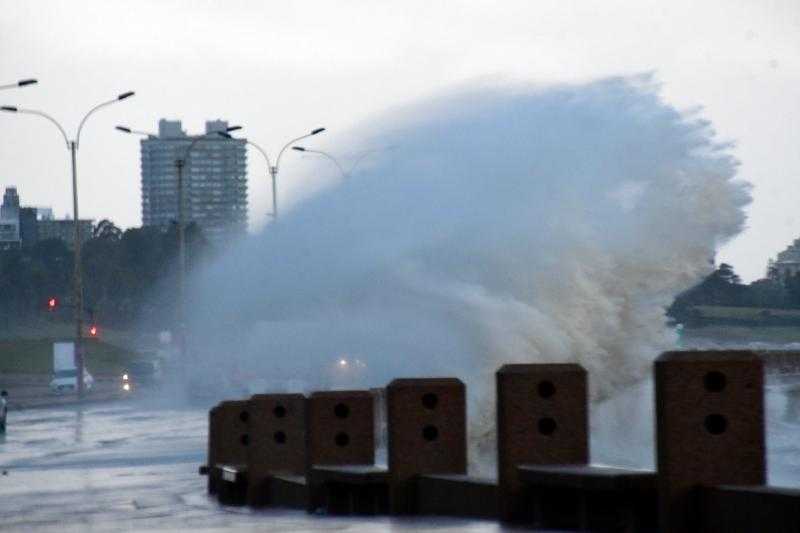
<point x="28" y="227"/>
<point x="214" y="180"/>
<point x="64" y="229"/>
<point x="9" y="220"/>
<point x="787" y="264"/>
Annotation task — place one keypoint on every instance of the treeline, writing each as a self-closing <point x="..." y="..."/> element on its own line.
<point x="128" y="277"/>
<point x="723" y="287"/>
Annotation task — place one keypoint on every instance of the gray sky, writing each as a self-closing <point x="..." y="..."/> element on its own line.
<point x="282" y="68"/>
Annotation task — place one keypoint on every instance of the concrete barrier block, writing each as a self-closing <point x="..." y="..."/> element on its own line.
<point x="457" y="495"/>
<point x="341" y="432"/>
<point x="728" y="509"/>
<point x="341" y="428"/>
<point x="278" y="441"/>
<point x="427" y="433"/>
<point x="590" y="498"/>
<point x="709" y="428"/>
<point x="207" y="469"/>
<point x="350" y="489"/>
<point x="228" y="438"/>
<point x="542" y="419"/>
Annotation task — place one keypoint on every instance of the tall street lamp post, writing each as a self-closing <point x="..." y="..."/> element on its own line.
<point x="72" y="146"/>
<point x="180" y="164"/>
<point x="273" y="170"/>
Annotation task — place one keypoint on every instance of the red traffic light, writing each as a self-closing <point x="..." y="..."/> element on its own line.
<point x="52" y="303"/>
<point x="93" y="331"/>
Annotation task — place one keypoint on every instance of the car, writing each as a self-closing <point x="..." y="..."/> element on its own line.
<point x="141" y="374"/>
<point x="66" y="380"/>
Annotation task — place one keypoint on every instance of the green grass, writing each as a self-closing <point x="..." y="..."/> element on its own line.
<point x="747" y="313"/>
<point x="29" y="348"/>
<point x="35" y="356"/>
<point x="775" y="334"/>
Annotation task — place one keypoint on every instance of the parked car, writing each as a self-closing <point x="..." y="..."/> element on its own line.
<point x="66" y="380"/>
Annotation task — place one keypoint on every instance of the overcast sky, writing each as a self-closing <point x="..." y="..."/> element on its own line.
<point x="282" y="68"/>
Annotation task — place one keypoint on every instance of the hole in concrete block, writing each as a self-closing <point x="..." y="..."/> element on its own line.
<point x="280" y="437"/>
<point x="547" y="426"/>
<point x="430" y="433"/>
<point x="546" y="389"/>
<point x="716" y="424"/>
<point x="714" y="381"/>
<point x="244" y="416"/>
<point x="341" y="410"/>
<point x="342" y="439"/>
<point x="244" y="439"/>
<point x="430" y="400"/>
<point x="279" y="411"/>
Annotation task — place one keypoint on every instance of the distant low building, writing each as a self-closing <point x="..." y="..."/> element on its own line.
<point x="23" y="227"/>
<point x="9" y="235"/>
<point x="64" y="230"/>
<point x="28" y="227"/>
<point x="787" y="264"/>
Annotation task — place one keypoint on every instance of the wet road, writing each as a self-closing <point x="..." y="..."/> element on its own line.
<point x="132" y="466"/>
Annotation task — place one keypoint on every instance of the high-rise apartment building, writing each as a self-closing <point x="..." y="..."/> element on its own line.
<point x="214" y="179"/>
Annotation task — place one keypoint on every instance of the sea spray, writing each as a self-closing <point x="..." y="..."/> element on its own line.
<point x="508" y="224"/>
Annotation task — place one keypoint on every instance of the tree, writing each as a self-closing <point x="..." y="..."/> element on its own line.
<point x="128" y="275"/>
<point x="107" y="230"/>
<point x="767" y="293"/>
<point x="721" y="287"/>
<point x="725" y="273"/>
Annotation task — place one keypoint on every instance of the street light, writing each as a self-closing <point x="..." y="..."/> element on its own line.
<point x="20" y="83"/>
<point x="72" y="146"/>
<point x="359" y="159"/>
<point x="135" y="132"/>
<point x="273" y="170"/>
<point x="324" y="154"/>
<point x="180" y="163"/>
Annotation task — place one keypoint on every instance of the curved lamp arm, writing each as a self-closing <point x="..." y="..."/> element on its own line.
<point x="278" y="161"/>
<point x="324" y="154"/>
<point x="263" y="152"/>
<point x="41" y="114"/>
<point x="122" y="96"/>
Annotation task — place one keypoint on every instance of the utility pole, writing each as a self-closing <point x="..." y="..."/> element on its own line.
<point x="77" y="277"/>
<point x="273" y="169"/>
<point x="180" y="169"/>
<point x="77" y="282"/>
<point x="274" y="173"/>
<point x="179" y="165"/>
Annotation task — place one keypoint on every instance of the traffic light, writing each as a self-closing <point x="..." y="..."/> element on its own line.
<point x="93" y="331"/>
<point x="52" y="303"/>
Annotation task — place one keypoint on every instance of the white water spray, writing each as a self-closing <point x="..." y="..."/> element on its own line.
<point x="524" y="224"/>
